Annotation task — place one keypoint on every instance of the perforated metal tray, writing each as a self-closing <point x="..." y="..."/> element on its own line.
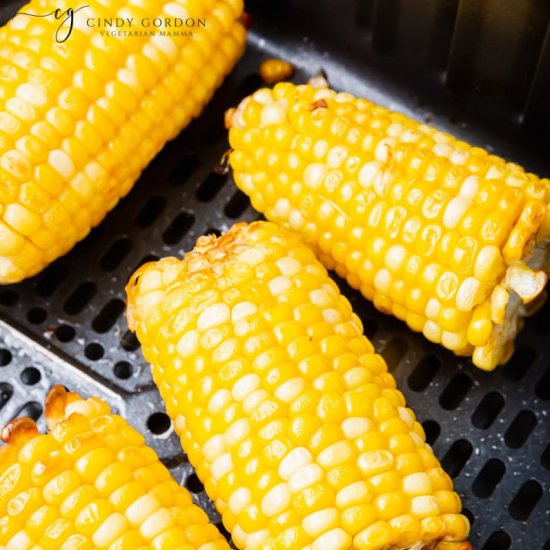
<point x="67" y="325"/>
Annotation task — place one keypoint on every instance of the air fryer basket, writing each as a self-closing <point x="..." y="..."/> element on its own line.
<point x="479" y="69"/>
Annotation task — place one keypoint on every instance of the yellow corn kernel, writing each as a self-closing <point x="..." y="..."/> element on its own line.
<point x="326" y="455"/>
<point x="275" y="70"/>
<point x="424" y="225"/>
<point x="82" y="122"/>
<point x="53" y="496"/>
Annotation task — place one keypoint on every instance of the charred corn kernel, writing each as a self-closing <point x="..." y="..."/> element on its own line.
<point x="52" y="496"/>
<point x="80" y="120"/>
<point x="328" y="456"/>
<point x="424" y="225"/>
<point x="272" y="71"/>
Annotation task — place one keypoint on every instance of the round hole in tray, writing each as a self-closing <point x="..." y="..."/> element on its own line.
<point x="129" y="341"/>
<point x="5" y="357"/>
<point x="36" y="315"/>
<point x="158" y="423"/>
<point x="65" y="333"/>
<point x="432" y="430"/>
<point x="194" y="485"/>
<point x="123" y="370"/>
<point x="469" y="515"/>
<point x="30" y="376"/>
<point x="94" y="351"/>
<point x="499" y="540"/>
<point x="8" y="297"/>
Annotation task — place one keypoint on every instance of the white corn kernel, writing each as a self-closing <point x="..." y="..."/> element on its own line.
<point x="213" y="316"/>
<point x="238" y="431"/>
<point x="384" y="148"/>
<point x="304" y="477"/>
<point x="276" y="500"/>
<point x="239" y="499"/>
<point x="355" y="426"/>
<point x="317" y="523"/>
<point x="214" y="447"/>
<point x="288" y="266"/>
<point x="254" y="540"/>
<point x="320" y="297"/>
<point x="314" y="175"/>
<point x="488" y="263"/>
<point x="61" y="162"/>
<point x="336" y="454"/>
<point x="454" y="212"/>
<point x="459" y="157"/>
<point x="221" y="466"/>
<point x="418" y="483"/>
<point x="112" y="528"/>
<point x="469" y="188"/>
<point x="253" y="400"/>
<point x="157" y="523"/>
<point x="141" y="509"/>
<point x="382" y="280"/>
<point x="369" y="173"/>
<point x="354" y="493"/>
<point x="432" y="331"/>
<point x="289" y="390"/>
<point x="335" y="539"/>
<point x="406" y="415"/>
<point x="336" y="156"/>
<point x="469" y="294"/>
<point x="245" y="386"/>
<point x="82" y="407"/>
<point x="219" y="400"/>
<point x="272" y="114"/>
<point x="424" y="506"/>
<point x="432" y="309"/>
<point x="242" y="310"/>
<point x="375" y="462"/>
<point x="188" y="343"/>
<point x="395" y="256"/>
<point x="442" y="150"/>
<point x="293" y="461"/>
<point x="282" y="208"/>
<point x="278" y="285"/>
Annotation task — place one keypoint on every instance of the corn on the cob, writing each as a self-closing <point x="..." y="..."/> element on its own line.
<point x="80" y="120"/>
<point x="448" y="238"/>
<point x="92" y="483"/>
<point x="291" y="420"/>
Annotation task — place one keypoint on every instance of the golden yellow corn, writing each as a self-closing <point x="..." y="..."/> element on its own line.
<point x="275" y="70"/>
<point x="291" y="420"/>
<point x="80" y="119"/>
<point x="92" y="483"/>
<point x="448" y="238"/>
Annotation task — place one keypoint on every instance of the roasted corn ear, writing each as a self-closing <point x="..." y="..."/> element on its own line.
<point x="291" y="420"/>
<point x="91" y="482"/>
<point x="80" y="120"/>
<point x="446" y="237"/>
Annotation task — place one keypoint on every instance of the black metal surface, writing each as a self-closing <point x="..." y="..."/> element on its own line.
<point x="489" y="429"/>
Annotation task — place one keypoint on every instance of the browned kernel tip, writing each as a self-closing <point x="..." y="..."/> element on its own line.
<point x="454" y="546"/>
<point x="56" y="401"/>
<point x="320" y="104"/>
<point x="228" y="117"/>
<point x="19" y="428"/>
<point x="246" y="20"/>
